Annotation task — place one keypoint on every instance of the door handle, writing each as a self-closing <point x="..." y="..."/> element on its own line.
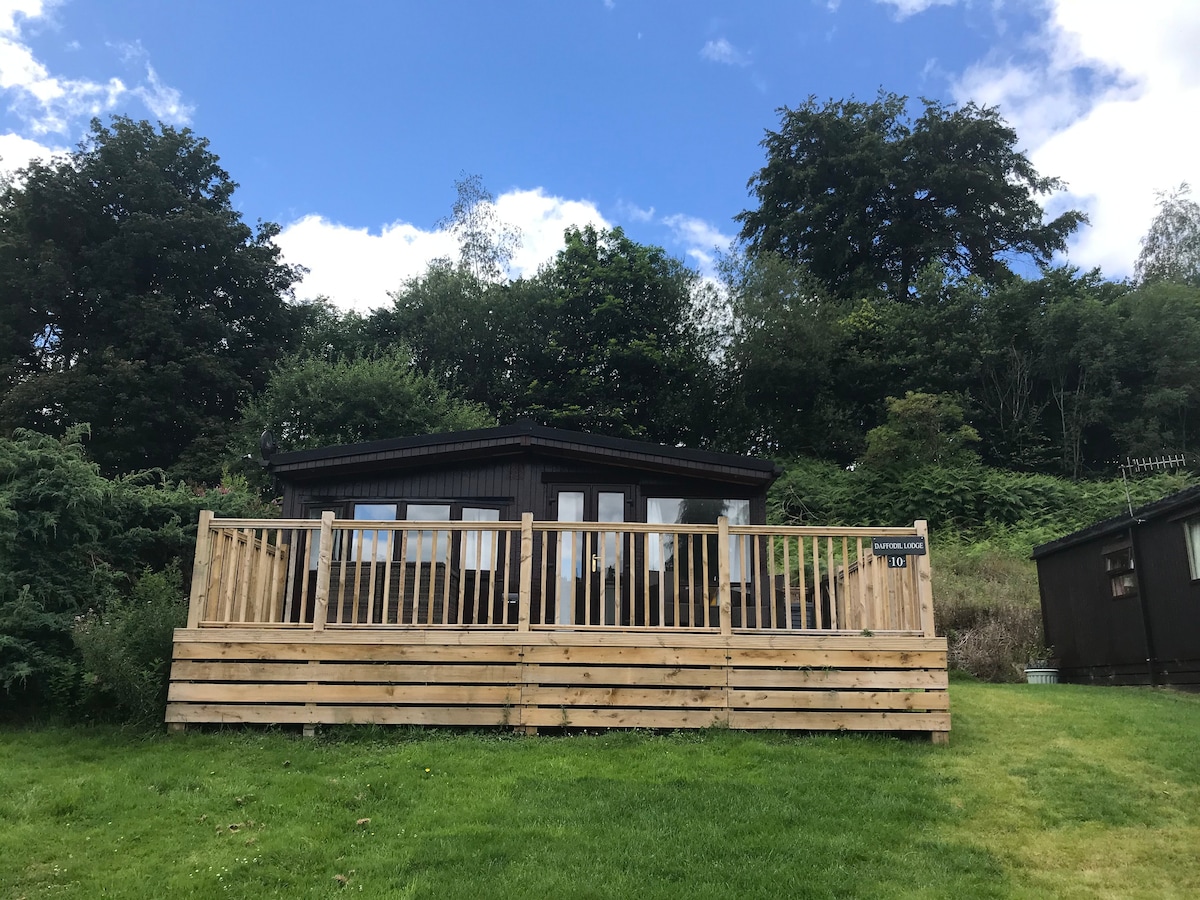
<point x="595" y="563"/>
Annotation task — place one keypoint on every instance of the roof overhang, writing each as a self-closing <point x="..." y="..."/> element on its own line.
<point x="515" y="440"/>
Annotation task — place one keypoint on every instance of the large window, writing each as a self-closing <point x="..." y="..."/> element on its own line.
<point x="1191" y="534"/>
<point x="695" y="511"/>
<point x="425" y="545"/>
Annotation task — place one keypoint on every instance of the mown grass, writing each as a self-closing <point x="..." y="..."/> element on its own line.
<point x="1044" y="791"/>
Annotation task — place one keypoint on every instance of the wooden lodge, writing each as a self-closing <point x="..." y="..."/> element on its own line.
<point x="530" y="577"/>
<point x="1121" y="598"/>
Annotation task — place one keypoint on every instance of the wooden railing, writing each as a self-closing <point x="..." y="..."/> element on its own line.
<point x="339" y="573"/>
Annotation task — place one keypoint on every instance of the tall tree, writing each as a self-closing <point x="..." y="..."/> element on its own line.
<point x="1171" y="248"/>
<point x="779" y="355"/>
<point x="485" y="244"/>
<point x="136" y="298"/>
<point x="619" y="345"/>
<point x="867" y="198"/>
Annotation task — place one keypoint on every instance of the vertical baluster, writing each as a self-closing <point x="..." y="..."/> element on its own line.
<point x="771" y="581"/>
<point x="372" y="575"/>
<point x="830" y="574"/>
<point x="705" y="607"/>
<point x="295" y="557"/>
<point x="787" y="582"/>
<point x="309" y="534"/>
<point x="818" y="606"/>
<point x="389" y="539"/>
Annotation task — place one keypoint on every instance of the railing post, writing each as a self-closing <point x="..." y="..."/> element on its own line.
<point x="724" y="593"/>
<point x="925" y="581"/>
<point x="199" y="593"/>
<point x="525" y="595"/>
<point x="324" y="566"/>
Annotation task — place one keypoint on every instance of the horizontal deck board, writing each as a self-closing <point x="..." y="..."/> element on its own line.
<point x="453" y="694"/>
<point x="837" y="678"/>
<point x="338" y="715"/>
<point x="550" y="678"/>
<point x="806" y="720"/>
<point x="785" y="700"/>
<point x="354" y="673"/>
<point x="622" y="696"/>
<point x="500" y="636"/>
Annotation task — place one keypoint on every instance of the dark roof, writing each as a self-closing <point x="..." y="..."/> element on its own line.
<point x="1155" y="510"/>
<point x="429" y="449"/>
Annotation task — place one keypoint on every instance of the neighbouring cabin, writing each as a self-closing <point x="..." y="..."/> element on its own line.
<point x="529" y="576"/>
<point x="1121" y="598"/>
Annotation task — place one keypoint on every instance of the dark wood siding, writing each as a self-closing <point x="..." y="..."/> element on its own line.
<point x="1097" y="637"/>
<point x="516" y="483"/>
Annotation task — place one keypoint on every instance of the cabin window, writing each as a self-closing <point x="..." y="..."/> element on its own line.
<point x="479" y="546"/>
<point x="364" y="543"/>
<point x="1119" y="565"/>
<point x="425" y="546"/>
<point x="695" y="511"/>
<point x="1191" y="534"/>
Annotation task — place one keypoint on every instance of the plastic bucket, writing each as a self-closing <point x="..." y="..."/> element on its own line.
<point x="1041" y="676"/>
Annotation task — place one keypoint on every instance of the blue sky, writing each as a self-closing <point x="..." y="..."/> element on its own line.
<point x="348" y="123"/>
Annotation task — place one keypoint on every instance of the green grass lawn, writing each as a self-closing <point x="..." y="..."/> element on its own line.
<point x="1045" y="791"/>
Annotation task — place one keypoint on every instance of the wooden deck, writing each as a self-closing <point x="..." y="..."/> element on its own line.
<point x="649" y="639"/>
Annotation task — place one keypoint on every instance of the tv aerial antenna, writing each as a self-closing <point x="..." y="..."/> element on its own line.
<point x="1148" y="464"/>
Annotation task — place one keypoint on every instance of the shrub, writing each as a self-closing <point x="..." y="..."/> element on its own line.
<point x="72" y="541"/>
<point x="125" y="650"/>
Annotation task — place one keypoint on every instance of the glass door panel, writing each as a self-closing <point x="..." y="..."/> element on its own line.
<point x="593" y="566"/>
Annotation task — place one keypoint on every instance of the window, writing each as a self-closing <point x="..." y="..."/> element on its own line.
<point x="1191" y="537"/>
<point x="363" y="543"/>
<point x="1118" y="563"/>
<point x="479" y="546"/>
<point x="424" y="546"/>
<point x="695" y="511"/>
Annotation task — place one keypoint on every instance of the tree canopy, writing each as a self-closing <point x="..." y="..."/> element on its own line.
<point x="136" y="298"/>
<point x="1171" y="248"/>
<point x="315" y="402"/>
<point x="866" y="197"/>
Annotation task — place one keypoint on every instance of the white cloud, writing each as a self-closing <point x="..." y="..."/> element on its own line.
<point x="701" y="240"/>
<point x="1105" y="100"/>
<point x="721" y="51"/>
<point x="906" y="8"/>
<point x="542" y="219"/>
<point x="356" y="269"/>
<point x="46" y="104"/>
<point x="17" y="152"/>
<point x="634" y="213"/>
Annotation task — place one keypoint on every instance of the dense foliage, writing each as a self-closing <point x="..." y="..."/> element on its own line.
<point x="135" y="297"/>
<point x="866" y="197"/>
<point x="72" y="541"/>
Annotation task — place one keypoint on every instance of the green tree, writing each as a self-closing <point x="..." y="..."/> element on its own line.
<point x="618" y="344"/>
<point x="783" y="336"/>
<point x="136" y="298"/>
<point x="485" y="244"/>
<point x="921" y="429"/>
<point x="314" y="402"/>
<point x="867" y="198"/>
<point x="1171" y="248"/>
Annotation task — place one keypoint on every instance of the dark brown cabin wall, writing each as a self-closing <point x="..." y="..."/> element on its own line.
<point x="1085" y="625"/>
<point x="1173" y="598"/>
<point x="528" y="483"/>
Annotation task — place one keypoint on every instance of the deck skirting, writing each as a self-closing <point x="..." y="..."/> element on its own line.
<point x="552" y="678"/>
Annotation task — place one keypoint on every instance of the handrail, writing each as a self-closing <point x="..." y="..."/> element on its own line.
<point x="350" y="573"/>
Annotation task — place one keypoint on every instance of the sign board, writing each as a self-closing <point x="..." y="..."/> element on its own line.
<point x="897" y="562"/>
<point x="898" y="546"/>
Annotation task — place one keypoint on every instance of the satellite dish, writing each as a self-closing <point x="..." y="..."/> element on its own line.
<point x="267" y="445"/>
